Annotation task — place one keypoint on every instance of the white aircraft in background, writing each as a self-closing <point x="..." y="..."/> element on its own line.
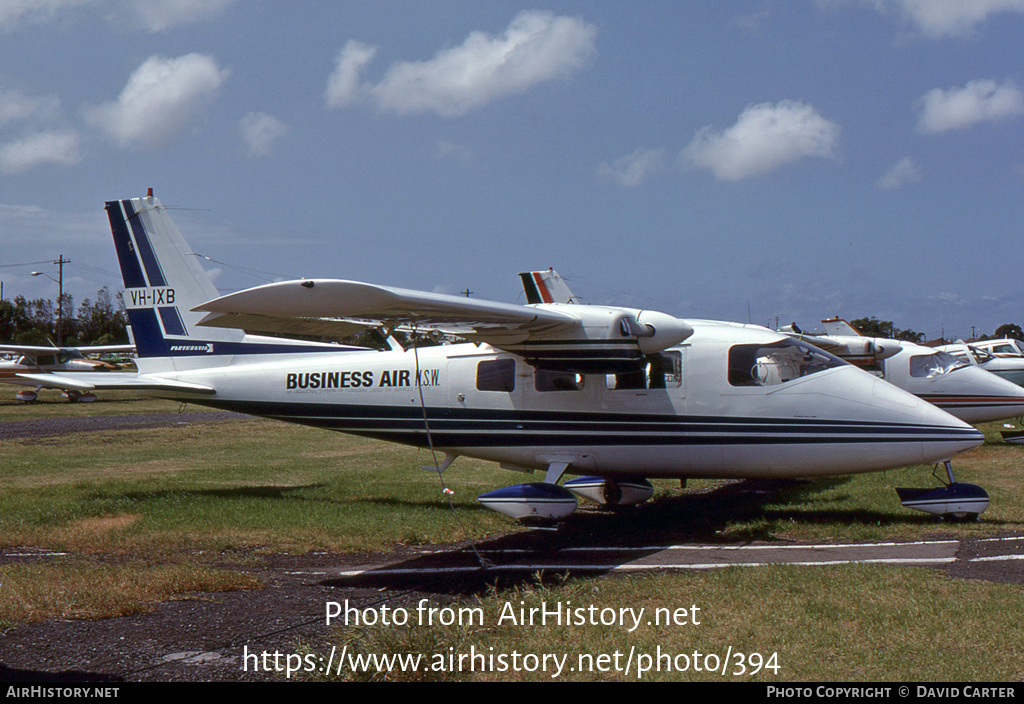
<point x="979" y="354"/>
<point x="49" y="359"/>
<point x="1002" y="347"/>
<point x="617" y="394"/>
<point x="968" y="392"/>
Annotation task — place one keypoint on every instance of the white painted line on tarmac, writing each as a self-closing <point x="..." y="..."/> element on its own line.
<point x="405" y="571"/>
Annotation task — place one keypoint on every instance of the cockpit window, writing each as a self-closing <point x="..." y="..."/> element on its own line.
<point x="777" y="363"/>
<point x="932" y="365"/>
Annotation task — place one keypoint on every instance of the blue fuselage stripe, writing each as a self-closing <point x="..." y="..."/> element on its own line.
<point x="458" y="428"/>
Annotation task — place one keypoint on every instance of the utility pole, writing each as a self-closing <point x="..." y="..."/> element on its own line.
<point x="61" y="261"/>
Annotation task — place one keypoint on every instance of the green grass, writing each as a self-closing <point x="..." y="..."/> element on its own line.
<point x="51" y="404"/>
<point x="227" y="485"/>
<point x="84" y="588"/>
<point x="254" y="483"/>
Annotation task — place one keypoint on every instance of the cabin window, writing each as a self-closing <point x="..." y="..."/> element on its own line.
<point x="557" y="381"/>
<point x="930" y="365"/>
<point x="660" y="371"/>
<point x="496" y="375"/>
<point x="777" y="363"/>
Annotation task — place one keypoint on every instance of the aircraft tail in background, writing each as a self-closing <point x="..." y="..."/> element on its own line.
<point x="546" y="287"/>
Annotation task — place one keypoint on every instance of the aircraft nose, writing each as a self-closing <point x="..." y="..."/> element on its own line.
<point x="978" y="396"/>
<point x="946" y="435"/>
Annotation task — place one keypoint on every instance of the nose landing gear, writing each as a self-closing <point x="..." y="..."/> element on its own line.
<point x="955" y="500"/>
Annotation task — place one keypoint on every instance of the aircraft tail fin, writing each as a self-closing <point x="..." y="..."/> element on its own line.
<point x="546" y="287"/>
<point x="838" y="326"/>
<point x="163" y="282"/>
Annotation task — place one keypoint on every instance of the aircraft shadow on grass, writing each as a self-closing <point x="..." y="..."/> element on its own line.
<point x="596" y="542"/>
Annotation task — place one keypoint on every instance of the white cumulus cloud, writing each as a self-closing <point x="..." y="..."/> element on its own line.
<point x="633" y="169"/>
<point x="160" y="15"/>
<point x="260" y="131"/>
<point x="18" y="107"/>
<point x="534" y="48"/>
<point x="162" y="97"/>
<point x="948" y="18"/>
<point x="960" y="108"/>
<point x="343" y="86"/>
<point x="149" y="15"/>
<point x="60" y="148"/>
<point x="764" y="138"/>
<point x="903" y="172"/>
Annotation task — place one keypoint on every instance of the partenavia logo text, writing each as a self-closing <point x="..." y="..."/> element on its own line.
<point x="206" y="348"/>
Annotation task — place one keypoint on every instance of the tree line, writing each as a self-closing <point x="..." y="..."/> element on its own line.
<point x="873" y="327"/>
<point x="98" y="321"/>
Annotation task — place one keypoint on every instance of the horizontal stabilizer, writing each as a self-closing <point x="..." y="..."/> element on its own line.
<point x="51" y="349"/>
<point x="92" y="381"/>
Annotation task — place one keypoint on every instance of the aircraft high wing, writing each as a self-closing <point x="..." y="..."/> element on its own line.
<point x="618" y="395"/>
<point x="968" y="392"/>
<point x="47" y="362"/>
<point x="842" y="339"/>
<point x="578" y="340"/>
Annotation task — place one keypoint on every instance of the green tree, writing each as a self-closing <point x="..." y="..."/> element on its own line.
<point x="100" y="322"/>
<point x="873" y="327"/>
<point x="1011" y="330"/>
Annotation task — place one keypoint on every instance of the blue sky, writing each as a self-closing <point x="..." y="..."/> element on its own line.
<point x="743" y="160"/>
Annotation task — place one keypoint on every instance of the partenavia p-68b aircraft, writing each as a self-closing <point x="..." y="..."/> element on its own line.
<point x="968" y="392"/>
<point x="616" y="394"/>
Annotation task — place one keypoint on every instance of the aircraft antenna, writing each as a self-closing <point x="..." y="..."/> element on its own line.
<point x="445" y="491"/>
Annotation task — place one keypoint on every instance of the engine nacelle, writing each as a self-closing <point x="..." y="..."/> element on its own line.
<point x="611" y="492"/>
<point x="26" y="396"/>
<point x="536" y="500"/>
<point x="609" y="341"/>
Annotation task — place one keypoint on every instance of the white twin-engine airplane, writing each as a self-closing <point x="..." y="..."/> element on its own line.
<point x="968" y="392"/>
<point x="615" y="394"/>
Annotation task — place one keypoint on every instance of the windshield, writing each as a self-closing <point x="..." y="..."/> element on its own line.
<point x="777" y="363"/>
<point x="934" y="364"/>
<point x="981" y="355"/>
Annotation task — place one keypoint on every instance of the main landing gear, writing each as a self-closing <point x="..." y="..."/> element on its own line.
<point x="955" y="500"/>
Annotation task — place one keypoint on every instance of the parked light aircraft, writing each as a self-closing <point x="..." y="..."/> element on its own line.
<point x="1002" y="347"/>
<point x="968" y="392"/>
<point x="49" y="359"/>
<point x="1009" y="367"/>
<point x="617" y="394"/>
